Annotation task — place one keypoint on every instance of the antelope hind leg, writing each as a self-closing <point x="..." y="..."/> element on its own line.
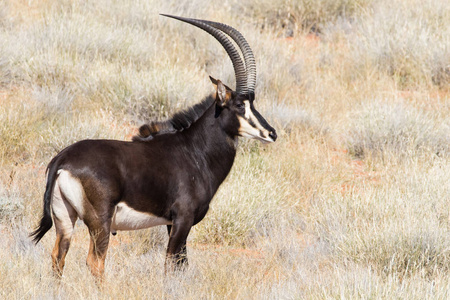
<point x="64" y="217"/>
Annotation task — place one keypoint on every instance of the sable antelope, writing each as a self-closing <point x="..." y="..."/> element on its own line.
<point x="167" y="175"/>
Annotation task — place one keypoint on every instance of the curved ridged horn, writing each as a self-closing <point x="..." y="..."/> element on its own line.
<point x="249" y="59"/>
<point x="238" y="64"/>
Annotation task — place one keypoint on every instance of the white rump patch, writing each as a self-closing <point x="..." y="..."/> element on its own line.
<point x="126" y="218"/>
<point x="72" y="190"/>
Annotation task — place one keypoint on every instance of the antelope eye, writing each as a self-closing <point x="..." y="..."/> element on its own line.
<point x="240" y="105"/>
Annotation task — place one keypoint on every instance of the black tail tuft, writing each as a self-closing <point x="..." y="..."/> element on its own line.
<point x="46" y="220"/>
<point x="44" y="226"/>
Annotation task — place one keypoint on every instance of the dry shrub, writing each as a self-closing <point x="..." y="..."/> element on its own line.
<point x="291" y="16"/>
<point x="395" y="128"/>
<point x="397" y="227"/>
<point x="406" y="39"/>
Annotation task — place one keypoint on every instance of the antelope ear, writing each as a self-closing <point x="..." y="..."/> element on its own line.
<point x="223" y="93"/>
<point x="215" y="81"/>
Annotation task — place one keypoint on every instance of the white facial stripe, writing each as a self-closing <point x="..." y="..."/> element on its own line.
<point x="126" y="218"/>
<point x="250" y="116"/>
<point x="248" y="109"/>
<point x="72" y="191"/>
<point x="247" y="130"/>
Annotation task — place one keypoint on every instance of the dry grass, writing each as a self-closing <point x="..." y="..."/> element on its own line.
<point x="350" y="202"/>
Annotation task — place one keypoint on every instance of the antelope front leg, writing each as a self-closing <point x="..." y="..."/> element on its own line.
<point x="176" y="257"/>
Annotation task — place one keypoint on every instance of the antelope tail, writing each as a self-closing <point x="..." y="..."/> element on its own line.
<point x="46" y="221"/>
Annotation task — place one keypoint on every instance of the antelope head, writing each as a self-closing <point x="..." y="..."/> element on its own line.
<point x="238" y="104"/>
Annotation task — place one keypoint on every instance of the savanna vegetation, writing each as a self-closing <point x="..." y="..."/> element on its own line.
<point x="352" y="201"/>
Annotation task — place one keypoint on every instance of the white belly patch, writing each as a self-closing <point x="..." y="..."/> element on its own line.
<point x="126" y="218"/>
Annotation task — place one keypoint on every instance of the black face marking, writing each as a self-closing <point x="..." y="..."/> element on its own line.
<point x="261" y="119"/>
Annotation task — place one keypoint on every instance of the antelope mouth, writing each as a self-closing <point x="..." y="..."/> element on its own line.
<point x="267" y="140"/>
<point x="271" y="137"/>
<point x="258" y="135"/>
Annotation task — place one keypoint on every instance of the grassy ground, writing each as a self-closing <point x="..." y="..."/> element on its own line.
<point x="350" y="202"/>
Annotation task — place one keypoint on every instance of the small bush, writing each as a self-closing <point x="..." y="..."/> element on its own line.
<point x="292" y="16"/>
<point x="398" y="228"/>
<point x="11" y="205"/>
<point x="407" y="40"/>
<point x="380" y="128"/>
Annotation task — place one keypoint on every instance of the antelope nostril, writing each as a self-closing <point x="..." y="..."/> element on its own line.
<point x="273" y="135"/>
